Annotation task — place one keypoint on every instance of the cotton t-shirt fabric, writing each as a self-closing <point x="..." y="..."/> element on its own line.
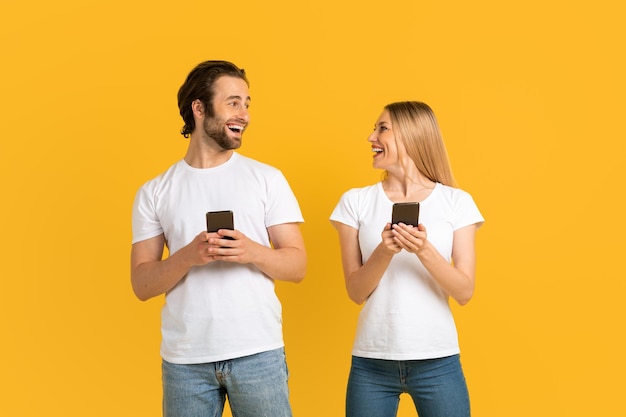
<point x="407" y="317"/>
<point x="221" y="310"/>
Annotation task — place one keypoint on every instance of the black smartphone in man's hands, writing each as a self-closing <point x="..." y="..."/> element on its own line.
<point x="216" y="220"/>
<point x="407" y="213"/>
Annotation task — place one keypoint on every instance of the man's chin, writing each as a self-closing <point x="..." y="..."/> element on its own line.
<point x="235" y="142"/>
<point x="231" y="145"/>
<point x="228" y="142"/>
<point x="234" y="139"/>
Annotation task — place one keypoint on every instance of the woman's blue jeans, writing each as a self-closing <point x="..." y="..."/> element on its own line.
<point x="255" y="386"/>
<point x="437" y="387"/>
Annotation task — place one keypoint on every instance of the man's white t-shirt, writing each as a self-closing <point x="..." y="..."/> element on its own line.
<point x="407" y="317"/>
<point x="221" y="310"/>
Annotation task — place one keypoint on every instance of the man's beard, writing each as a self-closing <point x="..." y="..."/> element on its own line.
<point x="214" y="129"/>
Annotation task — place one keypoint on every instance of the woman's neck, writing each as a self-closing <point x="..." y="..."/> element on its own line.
<point x="407" y="188"/>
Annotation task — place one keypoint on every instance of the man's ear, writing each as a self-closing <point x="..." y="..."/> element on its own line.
<point x="198" y="108"/>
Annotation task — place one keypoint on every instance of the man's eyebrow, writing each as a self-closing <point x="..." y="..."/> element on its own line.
<point x="238" y="98"/>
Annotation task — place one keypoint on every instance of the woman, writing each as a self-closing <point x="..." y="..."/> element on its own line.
<point x="406" y="339"/>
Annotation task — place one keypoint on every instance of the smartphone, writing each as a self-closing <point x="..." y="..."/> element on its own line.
<point x="407" y="213"/>
<point x="216" y="220"/>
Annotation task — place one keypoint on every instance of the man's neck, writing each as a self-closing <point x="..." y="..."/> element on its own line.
<point x="199" y="155"/>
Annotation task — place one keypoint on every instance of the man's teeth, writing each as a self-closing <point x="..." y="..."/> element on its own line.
<point x="235" y="128"/>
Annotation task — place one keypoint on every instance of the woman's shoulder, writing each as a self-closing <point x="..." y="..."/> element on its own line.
<point x="450" y="192"/>
<point x="362" y="192"/>
<point x="458" y="199"/>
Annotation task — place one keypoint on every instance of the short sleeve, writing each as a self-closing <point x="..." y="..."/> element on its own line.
<point x="346" y="211"/>
<point x="145" y="222"/>
<point x="283" y="206"/>
<point x="466" y="210"/>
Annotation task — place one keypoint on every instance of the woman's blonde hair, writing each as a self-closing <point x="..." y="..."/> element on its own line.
<point x="415" y="124"/>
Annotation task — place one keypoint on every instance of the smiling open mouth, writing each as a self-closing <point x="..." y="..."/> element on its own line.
<point x="235" y="128"/>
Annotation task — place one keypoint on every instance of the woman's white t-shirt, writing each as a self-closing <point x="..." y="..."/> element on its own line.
<point x="407" y="317"/>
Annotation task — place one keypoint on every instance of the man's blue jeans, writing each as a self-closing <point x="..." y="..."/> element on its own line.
<point x="437" y="387"/>
<point x="255" y="385"/>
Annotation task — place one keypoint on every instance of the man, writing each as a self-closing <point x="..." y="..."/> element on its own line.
<point x="221" y="322"/>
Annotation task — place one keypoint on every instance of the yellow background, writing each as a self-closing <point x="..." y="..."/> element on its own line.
<point x="530" y="98"/>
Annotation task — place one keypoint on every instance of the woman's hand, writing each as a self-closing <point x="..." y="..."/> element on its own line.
<point x="410" y="238"/>
<point x="456" y="278"/>
<point x="389" y="241"/>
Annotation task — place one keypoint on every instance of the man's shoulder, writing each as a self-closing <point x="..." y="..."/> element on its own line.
<point x="163" y="176"/>
<point x="243" y="159"/>
<point x="255" y="164"/>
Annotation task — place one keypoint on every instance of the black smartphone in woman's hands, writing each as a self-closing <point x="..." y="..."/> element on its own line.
<point x="407" y="213"/>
